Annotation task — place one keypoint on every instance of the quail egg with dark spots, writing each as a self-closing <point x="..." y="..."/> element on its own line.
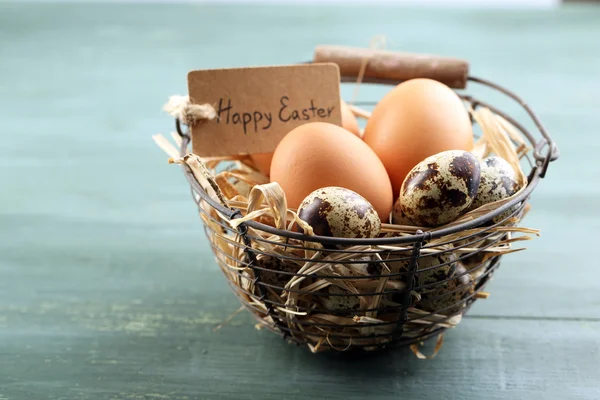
<point x="498" y="181"/>
<point x="338" y="212"/>
<point x="440" y="188"/>
<point x="361" y="266"/>
<point x="431" y="268"/>
<point x="276" y="272"/>
<point x="340" y="300"/>
<point x="448" y="297"/>
<point x="398" y="217"/>
<point x="477" y="271"/>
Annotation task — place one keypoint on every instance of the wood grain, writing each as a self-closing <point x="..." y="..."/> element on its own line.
<point x="107" y="286"/>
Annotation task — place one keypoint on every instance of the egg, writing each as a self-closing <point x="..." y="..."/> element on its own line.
<point x="319" y="154"/>
<point x="440" y="188"/>
<point x="417" y="119"/>
<point x="349" y="122"/>
<point x="430" y="268"/>
<point x="442" y="267"/>
<point x="476" y="269"/>
<point x="447" y="298"/>
<point x="398" y="217"/>
<point x="262" y="162"/>
<point x="341" y="300"/>
<point x="477" y="260"/>
<point x="271" y="268"/>
<point x="339" y="212"/>
<point x="472" y="260"/>
<point x="361" y="266"/>
<point x="498" y="181"/>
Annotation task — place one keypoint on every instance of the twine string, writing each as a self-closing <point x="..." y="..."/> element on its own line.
<point x="378" y="42"/>
<point x="182" y="108"/>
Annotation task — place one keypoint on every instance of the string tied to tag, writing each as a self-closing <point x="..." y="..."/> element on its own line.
<point x="181" y="108"/>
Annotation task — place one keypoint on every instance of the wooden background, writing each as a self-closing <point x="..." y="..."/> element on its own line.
<point x="107" y="286"/>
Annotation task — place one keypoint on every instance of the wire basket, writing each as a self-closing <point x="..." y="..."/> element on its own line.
<point x="341" y="294"/>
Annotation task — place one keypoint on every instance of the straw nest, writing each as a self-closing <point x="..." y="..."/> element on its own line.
<point x="361" y="296"/>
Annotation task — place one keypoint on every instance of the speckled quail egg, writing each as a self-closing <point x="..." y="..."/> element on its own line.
<point x="398" y="217"/>
<point x="442" y="267"/>
<point x="472" y="264"/>
<point x="338" y="212"/>
<point x="365" y="267"/>
<point x="446" y="298"/>
<point x="429" y="268"/>
<point x="476" y="269"/>
<point x="474" y="257"/>
<point x="439" y="188"/>
<point x="471" y="257"/>
<point x="343" y="300"/>
<point x="497" y="181"/>
<point x="271" y="268"/>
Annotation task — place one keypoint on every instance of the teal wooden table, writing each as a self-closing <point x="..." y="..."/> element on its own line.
<point x="107" y="286"/>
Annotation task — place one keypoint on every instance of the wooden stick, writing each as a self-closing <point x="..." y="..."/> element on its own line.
<point x="394" y="66"/>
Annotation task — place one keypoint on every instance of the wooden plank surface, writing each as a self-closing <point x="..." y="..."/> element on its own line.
<point x="107" y="286"/>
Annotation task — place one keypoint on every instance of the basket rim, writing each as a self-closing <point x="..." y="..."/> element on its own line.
<point x="542" y="161"/>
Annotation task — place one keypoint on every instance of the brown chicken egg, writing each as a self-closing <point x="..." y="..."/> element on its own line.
<point x="318" y="155"/>
<point x="339" y="212"/>
<point x="262" y="162"/>
<point x="349" y="122"/>
<point x="416" y="119"/>
<point x="440" y="188"/>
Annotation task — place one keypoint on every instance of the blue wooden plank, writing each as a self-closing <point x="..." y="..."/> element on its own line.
<point x="163" y="346"/>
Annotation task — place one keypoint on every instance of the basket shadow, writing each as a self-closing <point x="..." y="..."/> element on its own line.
<point x="396" y="361"/>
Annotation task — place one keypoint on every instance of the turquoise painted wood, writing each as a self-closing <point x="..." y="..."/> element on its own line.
<point x="107" y="286"/>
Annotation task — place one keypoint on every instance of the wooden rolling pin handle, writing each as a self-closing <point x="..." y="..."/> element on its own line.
<point x="394" y="66"/>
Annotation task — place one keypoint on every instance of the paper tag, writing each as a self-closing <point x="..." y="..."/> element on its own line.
<point x="256" y="107"/>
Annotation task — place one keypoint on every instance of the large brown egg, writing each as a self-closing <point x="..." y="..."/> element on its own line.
<point x="415" y="120"/>
<point x="262" y="161"/>
<point x="349" y="122"/>
<point x="319" y="154"/>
